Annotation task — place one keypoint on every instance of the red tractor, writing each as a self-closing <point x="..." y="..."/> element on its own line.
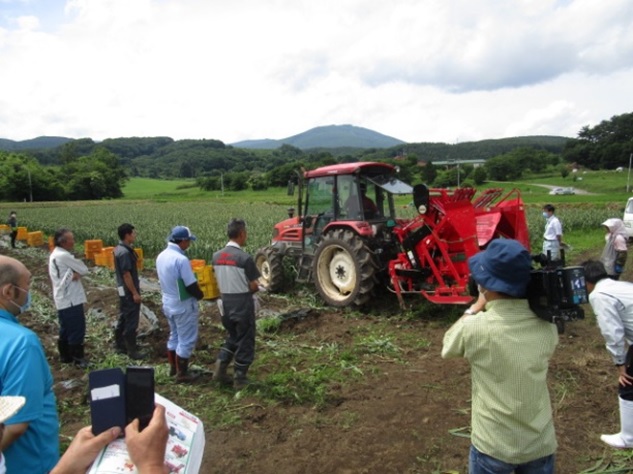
<point x="347" y="239"/>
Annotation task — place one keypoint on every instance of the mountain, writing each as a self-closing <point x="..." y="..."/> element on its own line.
<point x="38" y="143"/>
<point x="330" y="136"/>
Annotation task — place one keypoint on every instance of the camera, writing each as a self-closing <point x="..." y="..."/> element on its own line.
<point x="555" y="291"/>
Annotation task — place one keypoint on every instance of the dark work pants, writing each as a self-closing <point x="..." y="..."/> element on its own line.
<point x="72" y="325"/>
<point x="239" y="321"/>
<point x="129" y="314"/>
<point x="14" y="236"/>
<point x="626" y="391"/>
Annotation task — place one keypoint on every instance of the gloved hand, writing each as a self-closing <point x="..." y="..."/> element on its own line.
<point x="618" y="269"/>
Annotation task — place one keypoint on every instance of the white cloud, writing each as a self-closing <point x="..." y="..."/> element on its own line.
<point x="439" y="70"/>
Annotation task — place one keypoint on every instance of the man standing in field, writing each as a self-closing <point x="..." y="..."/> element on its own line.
<point x="508" y="348"/>
<point x="65" y="272"/>
<point x="181" y="293"/>
<point x="553" y="235"/>
<point x="129" y="289"/>
<point x="612" y="303"/>
<point x="30" y="441"/>
<point x="12" y="222"/>
<point x="237" y="277"/>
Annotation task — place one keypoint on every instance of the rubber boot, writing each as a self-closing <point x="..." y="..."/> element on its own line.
<point x="182" y="371"/>
<point x="623" y="439"/>
<point x="64" y="352"/>
<point x="240" y="380"/>
<point x="171" y="357"/>
<point x="77" y="352"/>
<point x="132" y="350"/>
<point x="219" y="372"/>
<point x="119" y="341"/>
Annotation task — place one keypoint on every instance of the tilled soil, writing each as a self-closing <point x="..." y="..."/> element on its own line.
<point x="406" y="417"/>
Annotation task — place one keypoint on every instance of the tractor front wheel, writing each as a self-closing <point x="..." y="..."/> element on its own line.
<point x="344" y="269"/>
<point x="269" y="262"/>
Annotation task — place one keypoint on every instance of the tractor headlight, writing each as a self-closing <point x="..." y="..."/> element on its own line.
<point x="422" y="209"/>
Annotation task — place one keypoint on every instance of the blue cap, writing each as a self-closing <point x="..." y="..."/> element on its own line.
<point x="504" y="267"/>
<point x="181" y="232"/>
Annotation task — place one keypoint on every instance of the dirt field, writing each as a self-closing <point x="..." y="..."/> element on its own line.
<point x="406" y="417"/>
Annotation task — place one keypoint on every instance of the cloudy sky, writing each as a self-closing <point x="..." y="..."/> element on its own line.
<point x="418" y="70"/>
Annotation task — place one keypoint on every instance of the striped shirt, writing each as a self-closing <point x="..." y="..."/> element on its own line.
<point x="508" y="348"/>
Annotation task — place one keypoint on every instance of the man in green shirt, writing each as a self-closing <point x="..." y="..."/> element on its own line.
<point x="508" y="348"/>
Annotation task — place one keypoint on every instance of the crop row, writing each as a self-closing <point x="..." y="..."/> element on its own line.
<point x="208" y="221"/>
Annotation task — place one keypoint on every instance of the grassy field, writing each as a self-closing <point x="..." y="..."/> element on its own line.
<point x="306" y="365"/>
<point x="154" y="206"/>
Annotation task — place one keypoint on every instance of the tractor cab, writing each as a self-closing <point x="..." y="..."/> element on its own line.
<point x="354" y="195"/>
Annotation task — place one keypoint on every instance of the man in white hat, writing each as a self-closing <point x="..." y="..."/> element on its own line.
<point x="181" y="293"/>
<point x="30" y="441"/>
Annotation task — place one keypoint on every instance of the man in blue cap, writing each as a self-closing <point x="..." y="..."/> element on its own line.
<point x="181" y="293"/>
<point x="508" y="348"/>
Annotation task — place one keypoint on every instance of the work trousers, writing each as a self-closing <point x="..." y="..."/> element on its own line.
<point x="183" y="329"/>
<point x="239" y="321"/>
<point x="129" y="314"/>
<point x="480" y="463"/>
<point x="14" y="235"/>
<point x="72" y="324"/>
<point x="626" y="391"/>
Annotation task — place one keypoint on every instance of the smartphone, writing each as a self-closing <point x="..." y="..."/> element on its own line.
<point x="139" y="394"/>
<point x="107" y="399"/>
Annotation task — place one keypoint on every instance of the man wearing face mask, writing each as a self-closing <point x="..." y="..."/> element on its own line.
<point x="30" y="439"/>
<point x="553" y="235"/>
<point x="508" y="348"/>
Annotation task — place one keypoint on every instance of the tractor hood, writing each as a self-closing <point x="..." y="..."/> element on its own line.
<point x="390" y="184"/>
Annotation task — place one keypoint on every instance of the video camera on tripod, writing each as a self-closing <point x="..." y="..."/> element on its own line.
<point x="555" y="292"/>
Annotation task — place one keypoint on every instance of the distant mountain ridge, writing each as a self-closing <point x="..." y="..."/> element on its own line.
<point x="33" y="143"/>
<point x="329" y="136"/>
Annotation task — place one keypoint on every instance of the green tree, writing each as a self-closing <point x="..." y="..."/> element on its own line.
<point x="503" y="168"/>
<point x="479" y="175"/>
<point x="429" y="173"/>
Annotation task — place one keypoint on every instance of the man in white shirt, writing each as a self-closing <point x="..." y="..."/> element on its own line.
<point x="612" y="303"/>
<point x="66" y="271"/>
<point x="553" y="235"/>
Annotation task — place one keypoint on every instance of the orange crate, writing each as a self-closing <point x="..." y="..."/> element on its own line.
<point x="23" y="233"/>
<point x="5" y="229"/>
<point x="105" y="258"/>
<point x="139" y="261"/>
<point x="51" y="243"/>
<point x="197" y="263"/>
<point x="34" y="239"/>
<point x="92" y="247"/>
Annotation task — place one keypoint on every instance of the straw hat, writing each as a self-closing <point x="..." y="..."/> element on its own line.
<point x="9" y="406"/>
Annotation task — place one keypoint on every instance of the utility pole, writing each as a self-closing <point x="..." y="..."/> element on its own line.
<point x="30" y="185"/>
<point x="628" y="179"/>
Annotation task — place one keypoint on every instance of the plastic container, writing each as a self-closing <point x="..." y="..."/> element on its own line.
<point x="35" y="239"/>
<point x="23" y="233"/>
<point x="92" y="247"/>
<point x="139" y="261"/>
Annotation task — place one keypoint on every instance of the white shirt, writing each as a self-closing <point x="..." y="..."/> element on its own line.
<point x="553" y="228"/>
<point x="66" y="291"/>
<point x="612" y="303"/>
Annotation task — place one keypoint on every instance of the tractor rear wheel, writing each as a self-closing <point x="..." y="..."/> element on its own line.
<point x="269" y="262"/>
<point x="344" y="269"/>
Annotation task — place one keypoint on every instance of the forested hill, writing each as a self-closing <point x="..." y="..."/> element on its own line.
<point x="163" y="157"/>
<point x="331" y="136"/>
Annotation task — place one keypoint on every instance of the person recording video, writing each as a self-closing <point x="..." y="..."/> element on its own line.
<point x="508" y="348"/>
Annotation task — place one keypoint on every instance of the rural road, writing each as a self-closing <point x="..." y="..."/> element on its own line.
<point x="550" y="187"/>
